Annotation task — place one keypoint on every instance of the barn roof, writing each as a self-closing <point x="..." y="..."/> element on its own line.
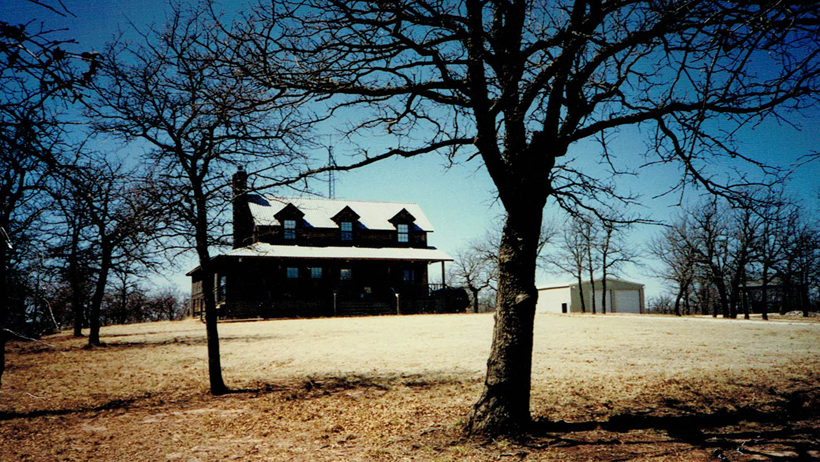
<point x="586" y="283"/>
<point x="319" y="212"/>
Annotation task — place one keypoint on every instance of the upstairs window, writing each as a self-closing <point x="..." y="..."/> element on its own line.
<point x="293" y="273"/>
<point x="345" y="274"/>
<point x="347" y="230"/>
<point x="290" y="229"/>
<point x="404" y="232"/>
<point x="316" y="273"/>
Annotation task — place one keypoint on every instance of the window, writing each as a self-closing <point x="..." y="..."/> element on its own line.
<point x="293" y="273"/>
<point x="290" y="229"/>
<point x="221" y="283"/>
<point x="345" y="274"/>
<point x="404" y="233"/>
<point x="347" y="230"/>
<point x="316" y="273"/>
<point x="409" y="276"/>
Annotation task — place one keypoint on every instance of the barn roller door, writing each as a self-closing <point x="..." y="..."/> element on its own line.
<point x="628" y="301"/>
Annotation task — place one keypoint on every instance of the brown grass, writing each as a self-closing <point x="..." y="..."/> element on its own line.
<point x="398" y="388"/>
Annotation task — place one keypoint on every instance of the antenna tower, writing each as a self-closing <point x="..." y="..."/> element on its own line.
<point x="331" y="179"/>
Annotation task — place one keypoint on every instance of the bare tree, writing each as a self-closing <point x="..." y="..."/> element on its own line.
<point x="800" y="267"/>
<point x="712" y="242"/>
<point x="614" y="251"/>
<point x="674" y="248"/>
<point x="199" y="118"/>
<point x="517" y="84"/>
<point x="571" y="253"/>
<point x="36" y="80"/>
<point x="477" y="266"/>
<point x="472" y="270"/>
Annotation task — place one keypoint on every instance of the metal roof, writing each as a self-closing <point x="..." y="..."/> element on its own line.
<point x="586" y="282"/>
<point x="319" y="211"/>
<point x="260" y="249"/>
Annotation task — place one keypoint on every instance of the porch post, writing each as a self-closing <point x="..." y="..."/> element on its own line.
<point x="443" y="282"/>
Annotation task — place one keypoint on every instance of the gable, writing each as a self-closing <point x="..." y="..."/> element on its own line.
<point x="289" y="212"/>
<point x="346" y="214"/>
<point x="320" y="213"/>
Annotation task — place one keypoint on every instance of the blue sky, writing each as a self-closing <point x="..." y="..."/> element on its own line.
<point x="459" y="200"/>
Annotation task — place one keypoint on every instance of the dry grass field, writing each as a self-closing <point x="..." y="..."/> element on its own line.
<point x="398" y="388"/>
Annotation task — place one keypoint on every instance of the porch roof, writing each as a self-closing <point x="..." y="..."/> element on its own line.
<point x="263" y="250"/>
<point x="259" y="249"/>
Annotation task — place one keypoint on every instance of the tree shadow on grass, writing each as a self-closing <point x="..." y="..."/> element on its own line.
<point x="791" y="425"/>
<point x="107" y="406"/>
<point x="307" y="387"/>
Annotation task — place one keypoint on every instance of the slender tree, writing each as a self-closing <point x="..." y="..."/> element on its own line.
<point x="614" y="252"/>
<point x="199" y="118"/>
<point x="570" y="254"/>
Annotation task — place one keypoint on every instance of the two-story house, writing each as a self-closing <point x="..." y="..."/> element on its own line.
<point x="306" y="256"/>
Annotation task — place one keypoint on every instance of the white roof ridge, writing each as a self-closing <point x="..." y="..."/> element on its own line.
<point x="319" y="198"/>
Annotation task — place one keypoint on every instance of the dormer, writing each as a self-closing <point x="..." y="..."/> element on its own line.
<point x="403" y="221"/>
<point x="291" y="219"/>
<point x="347" y="220"/>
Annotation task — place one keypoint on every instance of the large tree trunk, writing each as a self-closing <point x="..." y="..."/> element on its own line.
<point x="603" y="291"/>
<point x="504" y="406"/>
<point x="99" y="293"/>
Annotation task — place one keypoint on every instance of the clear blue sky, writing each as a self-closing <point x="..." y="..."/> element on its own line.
<point x="459" y="201"/>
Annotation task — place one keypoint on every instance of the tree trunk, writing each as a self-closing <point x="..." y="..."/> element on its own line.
<point x="475" y="298"/>
<point x="99" y="293"/>
<point x="3" y="339"/>
<point x="591" y="281"/>
<point x="503" y="408"/>
<point x="764" y="293"/>
<point x="581" y="291"/>
<point x="4" y="314"/>
<point x="744" y="296"/>
<point x="218" y="386"/>
<point x="724" y="298"/>
<point x="603" y="293"/>
<point x="76" y="285"/>
<point x="678" y="299"/>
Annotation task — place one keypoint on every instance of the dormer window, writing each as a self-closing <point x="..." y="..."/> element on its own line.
<point x="403" y="232"/>
<point x="290" y="229"/>
<point x="347" y="220"/>
<point x="291" y="219"/>
<point x="346" y="228"/>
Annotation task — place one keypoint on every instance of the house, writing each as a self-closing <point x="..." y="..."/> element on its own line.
<point x="621" y="297"/>
<point x="307" y="257"/>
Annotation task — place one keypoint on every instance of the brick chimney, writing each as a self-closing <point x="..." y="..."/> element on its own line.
<point x="242" y="219"/>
